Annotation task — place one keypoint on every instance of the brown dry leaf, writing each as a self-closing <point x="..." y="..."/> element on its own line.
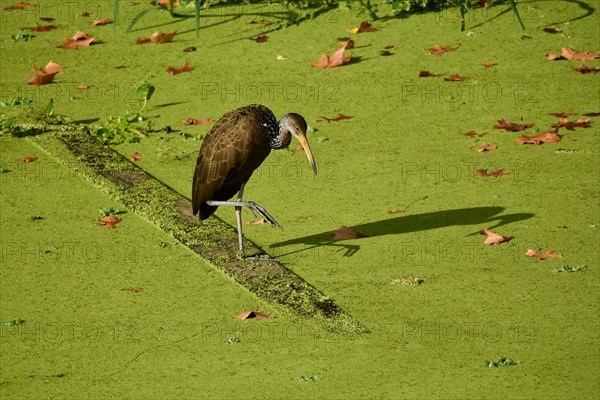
<point x="20" y="6"/>
<point x="104" y="21"/>
<point x="340" y="117"/>
<point x="349" y="44"/>
<point x="158" y="38"/>
<point x="438" y="51"/>
<point x="592" y="114"/>
<point x="136" y="157"/>
<point x="109" y="222"/>
<point x="494" y="238"/>
<point x="132" y="289"/>
<point x="189" y="49"/>
<point x="335" y="60"/>
<point x="456" y="77"/>
<point x="46" y="75"/>
<point x="571" y="125"/>
<point x="561" y="115"/>
<point x="86" y="14"/>
<point x="542" y="137"/>
<point x="41" y="28"/>
<point x="365" y="26"/>
<point x="262" y="38"/>
<point x="485" y="172"/>
<point x="551" y="30"/>
<point x="261" y="221"/>
<point x="27" y="160"/>
<point x="542" y="256"/>
<point x="489" y="64"/>
<point x="80" y="39"/>
<point x="345" y="233"/>
<point x="427" y="74"/>
<point x="510" y="127"/>
<point x="485" y="147"/>
<point x="175" y="71"/>
<point x="203" y="121"/>
<point x="253" y="314"/>
<point x="570" y="54"/>
<point x="395" y="212"/>
<point x="584" y="69"/>
<point x="475" y="134"/>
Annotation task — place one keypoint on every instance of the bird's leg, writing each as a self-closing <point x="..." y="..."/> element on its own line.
<point x="238" y="216"/>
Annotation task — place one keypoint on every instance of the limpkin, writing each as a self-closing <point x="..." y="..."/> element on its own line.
<point x="236" y="145"/>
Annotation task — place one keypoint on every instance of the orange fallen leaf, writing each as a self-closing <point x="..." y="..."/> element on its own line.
<point x="253" y="314"/>
<point x="340" y="117"/>
<point x="438" y="51"/>
<point x="542" y="137"/>
<point x="261" y="221"/>
<point x="570" y="54"/>
<point x="456" y="77"/>
<point x="203" y="121"/>
<point x="335" y="60"/>
<point x="165" y="3"/>
<point x="109" y="222"/>
<point x="104" y="21"/>
<point x="349" y="44"/>
<point x="510" y="127"/>
<point x="345" y="233"/>
<point x="395" y="212"/>
<point x="298" y="149"/>
<point x="542" y="256"/>
<point x="136" y="157"/>
<point x="157" y="38"/>
<point x="175" y="71"/>
<point x="494" y="238"/>
<point x="132" y="289"/>
<point x="485" y="172"/>
<point x="489" y="64"/>
<point x="475" y="134"/>
<point x="80" y="39"/>
<point x="571" y="125"/>
<point x="28" y="159"/>
<point x="46" y="75"/>
<point x="485" y="147"/>
<point x="83" y="87"/>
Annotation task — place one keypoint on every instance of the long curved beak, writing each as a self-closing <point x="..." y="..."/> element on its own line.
<point x="302" y="138"/>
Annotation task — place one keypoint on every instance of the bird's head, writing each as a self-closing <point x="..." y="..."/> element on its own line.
<point x="296" y="125"/>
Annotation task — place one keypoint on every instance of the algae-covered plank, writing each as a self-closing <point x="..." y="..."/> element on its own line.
<point x="212" y="239"/>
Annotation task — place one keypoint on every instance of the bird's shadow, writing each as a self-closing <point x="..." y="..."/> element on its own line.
<point x="484" y="217"/>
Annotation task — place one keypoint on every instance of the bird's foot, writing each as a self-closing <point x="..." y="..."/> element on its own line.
<point x="263" y="213"/>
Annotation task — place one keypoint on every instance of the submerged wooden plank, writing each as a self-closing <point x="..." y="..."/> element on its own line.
<point x="212" y="239"/>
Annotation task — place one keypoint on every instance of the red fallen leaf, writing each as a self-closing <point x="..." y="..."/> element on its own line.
<point x="41" y="28"/>
<point x="28" y="159"/>
<point x="189" y="49"/>
<point x="157" y="38"/>
<point x="261" y="221"/>
<point x="365" y="26"/>
<point x="542" y="137"/>
<point x="494" y="238"/>
<point x="485" y="172"/>
<point x="586" y="70"/>
<point x="339" y="117"/>
<point x="132" y="289"/>
<point x="262" y="38"/>
<point x="551" y="30"/>
<point x="104" y="21"/>
<point x="395" y="212"/>
<point x="253" y="314"/>
<point x="136" y="157"/>
<point x="570" y="54"/>
<point x="475" y="134"/>
<point x="510" y="127"/>
<point x="485" y="147"/>
<point x="592" y="114"/>
<point x="83" y="87"/>
<point x="489" y="64"/>
<point x="46" y="75"/>
<point x="20" y="6"/>
<point x="571" y="125"/>
<point x="345" y="233"/>
<point x="542" y="256"/>
<point x="438" y="51"/>
<point x="204" y="121"/>
<point x="80" y="39"/>
<point x="456" y="77"/>
<point x="109" y="222"/>
<point x="335" y="60"/>
<point x="561" y="115"/>
<point x="175" y="71"/>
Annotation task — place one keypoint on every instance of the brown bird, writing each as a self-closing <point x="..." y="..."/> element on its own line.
<point x="236" y="145"/>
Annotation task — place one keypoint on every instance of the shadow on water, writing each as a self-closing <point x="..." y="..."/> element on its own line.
<point x="484" y="217"/>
